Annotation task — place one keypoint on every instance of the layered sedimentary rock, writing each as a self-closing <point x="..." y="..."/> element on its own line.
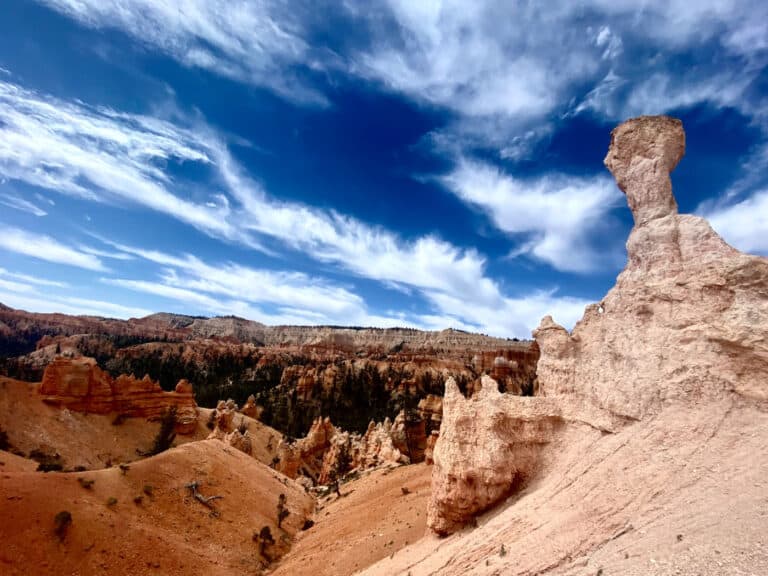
<point x="514" y="369"/>
<point x="80" y="385"/>
<point x="21" y="332"/>
<point x="686" y="323"/>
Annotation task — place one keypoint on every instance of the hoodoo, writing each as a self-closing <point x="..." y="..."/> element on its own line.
<point x="682" y="337"/>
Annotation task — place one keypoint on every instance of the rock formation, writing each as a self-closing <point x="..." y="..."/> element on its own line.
<point x="326" y="451"/>
<point x="305" y="456"/>
<point x="489" y="444"/>
<point x="292" y="383"/>
<point x="686" y="323"/>
<point x="688" y="316"/>
<point x="409" y="435"/>
<point x="250" y="408"/>
<point x="79" y="384"/>
<point x="229" y="431"/>
<point x="431" y="411"/>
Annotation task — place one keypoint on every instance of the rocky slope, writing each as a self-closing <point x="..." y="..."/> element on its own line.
<point x="645" y="452"/>
<point x="147" y="520"/>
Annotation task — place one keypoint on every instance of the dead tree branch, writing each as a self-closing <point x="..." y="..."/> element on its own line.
<point x="205" y="501"/>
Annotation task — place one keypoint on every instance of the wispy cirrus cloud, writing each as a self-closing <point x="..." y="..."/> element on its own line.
<point x="44" y="247"/>
<point x="296" y="298"/>
<point x="497" y="67"/>
<point x="105" y="156"/>
<point x="28" y="278"/>
<point x="230" y="288"/>
<point x="18" y="203"/>
<point x="31" y="293"/>
<point x="26" y="297"/>
<point x="58" y="145"/>
<point x="99" y="154"/>
<point x="258" y="42"/>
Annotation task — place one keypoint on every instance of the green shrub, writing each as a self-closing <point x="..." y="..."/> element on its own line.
<point x="166" y="435"/>
<point x="85" y="483"/>
<point x="61" y="523"/>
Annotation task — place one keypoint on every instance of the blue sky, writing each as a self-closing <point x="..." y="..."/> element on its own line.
<point x="429" y="164"/>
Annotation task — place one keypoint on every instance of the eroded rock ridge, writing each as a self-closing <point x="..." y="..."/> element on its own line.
<point x="80" y="385"/>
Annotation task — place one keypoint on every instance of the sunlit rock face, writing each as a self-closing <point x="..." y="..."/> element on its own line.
<point x="488" y="445"/>
<point x="688" y="316"/>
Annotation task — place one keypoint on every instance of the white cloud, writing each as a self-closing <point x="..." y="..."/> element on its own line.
<point x="229" y="288"/>
<point x="743" y="224"/>
<point x="664" y="91"/>
<point x="610" y="43"/>
<point x="21" y="204"/>
<point x="35" y="302"/>
<point x="516" y="316"/>
<point x="57" y="145"/>
<point x="226" y="288"/>
<point x="552" y="216"/>
<point x="100" y="155"/>
<point x="46" y="248"/>
<point x="469" y="57"/>
<point x="105" y="253"/>
<point x="32" y="279"/>
<point x="254" y="41"/>
<point x="13" y="286"/>
<point x="507" y="69"/>
<point x="103" y="155"/>
<point x="503" y="68"/>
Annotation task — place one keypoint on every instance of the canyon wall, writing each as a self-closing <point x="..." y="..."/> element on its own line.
<point x="294" y="374"/>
